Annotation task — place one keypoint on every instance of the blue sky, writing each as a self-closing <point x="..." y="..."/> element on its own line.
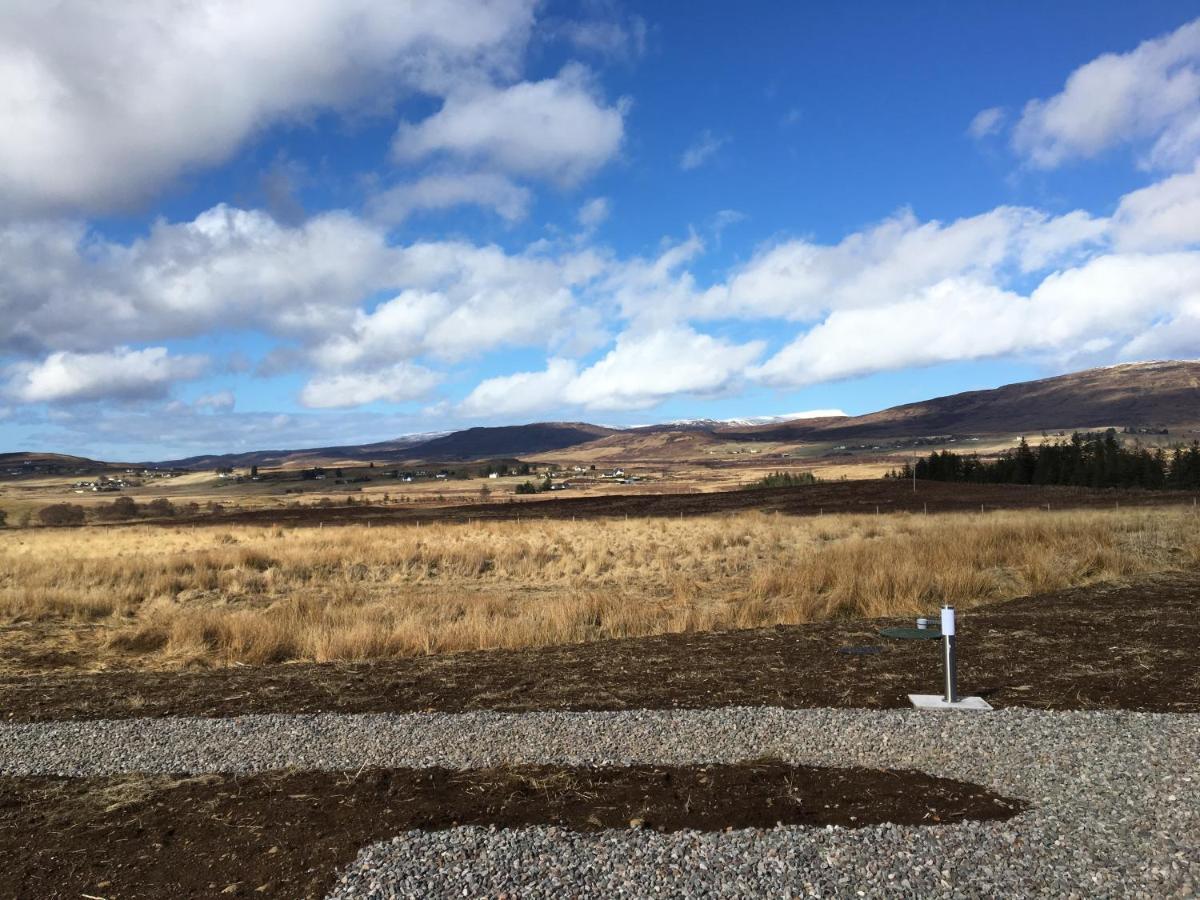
<point x="228" y="226"/>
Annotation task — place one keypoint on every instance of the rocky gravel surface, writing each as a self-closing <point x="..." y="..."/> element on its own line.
<point x="1115" y="797"/>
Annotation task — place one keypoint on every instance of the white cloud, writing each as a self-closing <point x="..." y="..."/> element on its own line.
<point x="801" y="280"/>
<point x="593" y="212"/>
<point x="1108" y="302"/>
<point x="870" y="302"/>
<point x="62" y="288"/>
<point x="524" y="392"/>
<point x="398" y="383"/>
<point x="623" y="40"/>
<point x="1041" y="242"/>
<point x="701" y="150"/>
<point x="1150" y="94"/>
<point x="122" y="374"/>
<point x="986" y="122"/>
<point x="559" y="128"/>
<point x="445" y="190"/>
<point x="640" y="371"/>
<point x="107" y="102"/>
<point x="644" y="369"/>
<point x="220" y="401"/>
<point x="725" y="218"/>
<point x="1165" y="215"/>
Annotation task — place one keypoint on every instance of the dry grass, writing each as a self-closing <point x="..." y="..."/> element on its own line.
<point x="161" y="597"/>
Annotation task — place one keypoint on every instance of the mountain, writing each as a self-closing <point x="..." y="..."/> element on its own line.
<point x="383" y="451"/>
<point x="751" y="422"/>
<point x="509" y="440"/>
<point x="472" y="443"/>
<point x="49" y="463"/>
<point x="1153" y="394"/>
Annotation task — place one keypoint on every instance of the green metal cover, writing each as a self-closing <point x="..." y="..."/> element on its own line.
<point x="912" y="634"/>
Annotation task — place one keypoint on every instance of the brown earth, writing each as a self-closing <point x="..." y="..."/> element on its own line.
<point x="869" y="496"/>
<point x="288" y="834"/>
<point x="1100" y="647"/>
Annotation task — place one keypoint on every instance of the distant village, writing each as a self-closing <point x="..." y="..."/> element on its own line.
<point x="130" y="478"/>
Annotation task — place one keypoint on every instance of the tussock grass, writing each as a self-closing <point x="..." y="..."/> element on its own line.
<point x="254" y="595"/>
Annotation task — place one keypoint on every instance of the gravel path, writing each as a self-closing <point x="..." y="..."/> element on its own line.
<point x="1116" y="797"/>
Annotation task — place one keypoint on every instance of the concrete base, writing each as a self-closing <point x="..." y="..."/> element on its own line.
<point x="938" y="701"/>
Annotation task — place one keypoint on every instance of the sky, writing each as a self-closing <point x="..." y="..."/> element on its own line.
<point x="229" y="226"/>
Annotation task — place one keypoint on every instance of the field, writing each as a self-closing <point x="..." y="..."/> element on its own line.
<point x="150" y="596"/>
<point x="269" y="702"/>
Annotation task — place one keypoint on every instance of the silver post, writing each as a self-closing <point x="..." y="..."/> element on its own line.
<point x="949" y="657"/>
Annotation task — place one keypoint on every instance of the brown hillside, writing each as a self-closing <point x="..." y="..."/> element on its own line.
<point x="1154" y="394"/>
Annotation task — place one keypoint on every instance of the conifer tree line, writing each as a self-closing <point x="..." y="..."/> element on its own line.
<point x="787" y="479"/>
<point x="1086" y="460"/>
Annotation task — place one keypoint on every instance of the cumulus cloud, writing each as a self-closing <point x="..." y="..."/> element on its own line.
<point x="397" y="383"/>
<point x="445" y="190"/>
<point x="1165" y="215"/>
<point x="106" y="102"/>
<point x="122" y="374"/>
<point x="1150" y="95"/>
<point x="1012" y="280"/>
<point x="465" y="300"/>
<point x="524" y="392"/>
<point x="801" y="280"/>
<point x="1110" y="302"/>
<point x="644" y="369"/>
<point x="701" y="150"/>
<point x="640" y="371"/>
<point x="63" y="288"/>
<point x="559" y="128"/>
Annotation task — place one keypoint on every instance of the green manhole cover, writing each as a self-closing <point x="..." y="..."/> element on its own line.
<point x="912" y="634"/>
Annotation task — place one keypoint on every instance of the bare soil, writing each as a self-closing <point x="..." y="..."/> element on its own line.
<point x="1129" y="646"/>
<point x="288" y="834"/>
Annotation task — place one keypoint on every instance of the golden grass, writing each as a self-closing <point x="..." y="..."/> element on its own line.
<point x="170" y="597"/>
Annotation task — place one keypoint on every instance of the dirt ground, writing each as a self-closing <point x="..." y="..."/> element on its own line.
<point x="288" y="834"/>
<point x="1127" y="646"/>
<point x="810" y="500"/>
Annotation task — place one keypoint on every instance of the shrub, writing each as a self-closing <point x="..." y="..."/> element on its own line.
<point x="121" y="508"/>
<point x="160" y="506"/>
<point x="61" y="514"/>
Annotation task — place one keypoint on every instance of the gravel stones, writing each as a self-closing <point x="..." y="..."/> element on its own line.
<point x="1115" y="797"/>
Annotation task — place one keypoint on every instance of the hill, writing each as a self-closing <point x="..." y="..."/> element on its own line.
<point x="1150" y="395"/>
<point x="20" y="465"/>
<point x="383" y="451"/>
<point x="1154" y="396"/>
<point x="509" y="440"/>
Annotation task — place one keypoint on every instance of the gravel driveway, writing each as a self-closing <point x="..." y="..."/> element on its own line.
<point x="1115" y="797"/>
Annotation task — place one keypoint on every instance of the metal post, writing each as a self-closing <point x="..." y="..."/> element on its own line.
<point x="948" y="654"/>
